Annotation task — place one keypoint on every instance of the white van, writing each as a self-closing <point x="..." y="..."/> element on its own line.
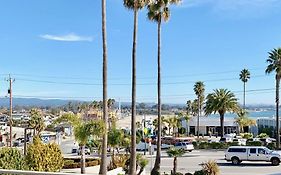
<point x="237" y="154"/>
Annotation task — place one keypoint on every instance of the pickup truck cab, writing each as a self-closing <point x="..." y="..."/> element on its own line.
<point x="237" y="154"/>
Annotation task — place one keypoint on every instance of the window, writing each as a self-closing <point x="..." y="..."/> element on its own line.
<point x="253" y="150"/>
<point x="238" y="150"/>
<point x="261" y="151"/>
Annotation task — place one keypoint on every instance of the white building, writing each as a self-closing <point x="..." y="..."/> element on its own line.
<point x="210" y="125"/>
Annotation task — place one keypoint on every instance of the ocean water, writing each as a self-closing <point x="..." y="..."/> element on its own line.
<point x="252" y="114"/>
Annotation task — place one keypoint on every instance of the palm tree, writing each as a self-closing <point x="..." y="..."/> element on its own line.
<point x="82" y="131"/>
<point x="189" y="107"/>
<point x="103" y="165"/>
<point x="221" y="101"/>
<point x="114" y="138"/>
<point x="36" y="121"/>
<point x="243" y="120"/>
<point x="175" y="153"/>
<point x="244" y="77"/>
<point x="134" y="5"/>
<point x="199" y="89"/>
<point x="159" y="11"/>
<point x="274" y="65"/>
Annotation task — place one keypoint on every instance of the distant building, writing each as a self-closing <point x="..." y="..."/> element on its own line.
<point x="210" y="125"/>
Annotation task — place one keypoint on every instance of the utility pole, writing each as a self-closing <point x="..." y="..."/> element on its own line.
<point x="10" y="80"/>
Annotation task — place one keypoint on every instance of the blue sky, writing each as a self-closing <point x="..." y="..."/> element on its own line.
<point x="53" y="49"/>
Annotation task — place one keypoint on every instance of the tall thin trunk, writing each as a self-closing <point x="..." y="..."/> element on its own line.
<point x="175" y="165"/>
<point x="133" y="158"/>
<point x="83" y="164"/>
<point x="277" y="112"/>
<point x="222" y="124"/>
<point x="156" y="168"/>
<point x="198" y="122"/>
<point x="187" y="128"/>
<point x="103" y="166"/>
<point x="244" y="95"/>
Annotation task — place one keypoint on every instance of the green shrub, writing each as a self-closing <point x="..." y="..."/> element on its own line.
<point x="11" y="158"/>
<point x="203" y="145"/>
<point x="271" y="146"/>
<point x="43" y="157"/>
<point x="246" y="135"/>
<point x="262" y="135"/>
<point x="217" y="145"/>
<point x="200" y="172"/>
<point x="195" y="144"/>
<point x="233" y="143"/>
<point x="254" y="143"/>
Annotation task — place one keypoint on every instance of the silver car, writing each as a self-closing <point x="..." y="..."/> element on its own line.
<point x="185" y="146"/>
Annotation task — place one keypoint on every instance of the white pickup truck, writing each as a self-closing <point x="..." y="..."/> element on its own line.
<point x="237" y="154"/>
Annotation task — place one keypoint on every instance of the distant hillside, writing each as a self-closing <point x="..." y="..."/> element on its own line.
<point x="33" y="102"/>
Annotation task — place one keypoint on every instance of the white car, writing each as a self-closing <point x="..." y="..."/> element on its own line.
<point x="237" y="154"/>
<point x="185" y="146"/>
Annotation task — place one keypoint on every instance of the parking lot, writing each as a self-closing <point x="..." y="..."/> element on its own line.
<point x="190" y="162"/>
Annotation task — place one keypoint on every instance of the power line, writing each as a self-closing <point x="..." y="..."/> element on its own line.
<point x="128" y="84"/>
<point x="120" y="78"/>
<point x="252" y="91"/>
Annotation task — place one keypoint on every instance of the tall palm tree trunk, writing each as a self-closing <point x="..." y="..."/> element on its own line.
<point x="198" y="122"/>
<point x="133" y="159"/>
<point x="175" y="166"/>
<point x="244" y="96"/>
<point x="222" y="124"/>
<point x="156" y="168"/>
<point x="103" y="166"/>
<point x="83" y="164"/>
<point x="277" y="112"/>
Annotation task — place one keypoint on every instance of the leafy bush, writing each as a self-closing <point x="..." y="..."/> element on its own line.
<point x="200" y="172"/>
<point x="271" y="146"/>
<point x="217" y="145"/>
<point x="254" y="143"/>
<point x="263" y="135"/>
<point x="246" y="135"/>
<point x="11" y="158"/>
<point x="211" y="168"/>
<point x="233" y="143"/>
<point x="44" y="157"/>
<point x="70" y="164"/>
<point x="195" y="144"/>
<point x="203" y="145"/>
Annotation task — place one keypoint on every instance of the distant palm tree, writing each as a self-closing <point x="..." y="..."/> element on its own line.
<point x="175" y="153"/>
<point x="159" y="11"/>
<point x="244" y="77"/>
<point x="274" y="65"/>
<point x="243" y="120"/>
<point x="103" y="165"/>
<point x="134" y="5"/>
<point x="189" y="107"/>
<point x="221" y="101"/>
<point x="199" y="89"/>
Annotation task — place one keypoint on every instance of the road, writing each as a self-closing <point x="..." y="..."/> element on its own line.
<point x="190" y="162"/>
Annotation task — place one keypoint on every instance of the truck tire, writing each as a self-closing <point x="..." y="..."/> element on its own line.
<point x="275" y="161"/>
<point x="235" y="161"/>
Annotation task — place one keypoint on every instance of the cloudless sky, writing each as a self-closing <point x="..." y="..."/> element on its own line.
<point x="53" y="49"/>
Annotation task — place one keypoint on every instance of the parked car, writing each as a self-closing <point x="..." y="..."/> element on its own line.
<point x="185" y="146"/>
<point x="87" y="151"/>
<point x="237" y="154"/>
<point x="144" y="146"/>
